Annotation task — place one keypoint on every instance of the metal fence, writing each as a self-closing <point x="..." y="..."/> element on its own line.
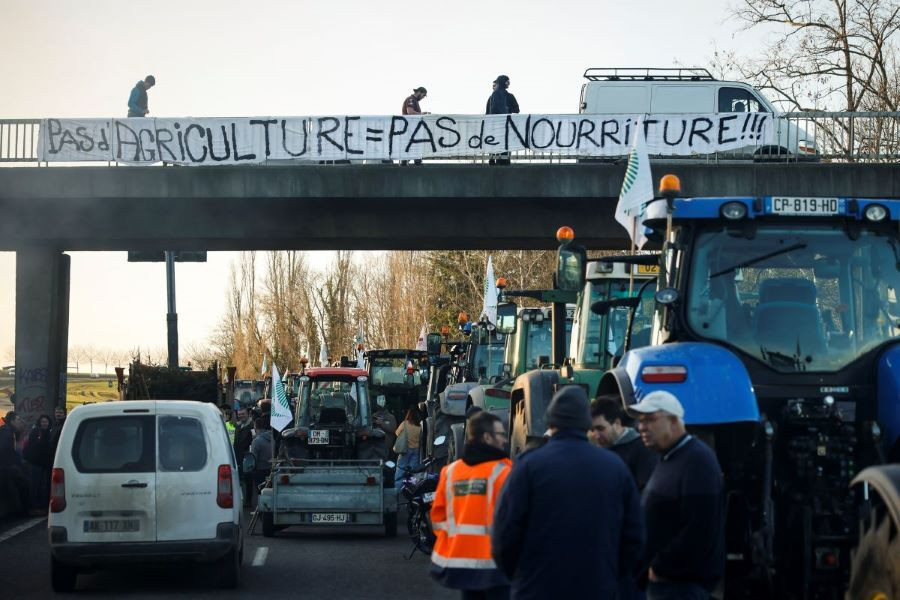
<point x="838" y="137"/>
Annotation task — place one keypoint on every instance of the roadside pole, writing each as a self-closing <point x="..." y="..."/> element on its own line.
<point x="171" y="315"/>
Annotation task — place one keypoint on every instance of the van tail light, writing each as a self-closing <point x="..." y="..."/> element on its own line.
<point x="497" y="393"/>
<point x="664" y="374"/>
<point x="57" y="491"/>
<point x="224" y="493"/>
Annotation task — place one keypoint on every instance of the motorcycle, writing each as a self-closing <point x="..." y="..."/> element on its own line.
<point x="418" y="488"/>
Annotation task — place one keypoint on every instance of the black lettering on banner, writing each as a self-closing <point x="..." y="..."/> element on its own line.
<point x="54" y="129"/>
<point x="136" y="143"/>
<point x="582" y="134"/>
<point x="348" y="135"/>
<point x="744" y="128"/>
<point x="187" y="142"/>
<point x="151" y="142"/>
<point x="559" y="126"/>
<point x="425" y="140"/>
<point x="491" y="140"/>
<point x="323" y="133"/>
<point x="234" y="142"/>
<point x="180" y="139"/>
<point x="284" y="143"/>
<point x="627" y="139"/>
<point x="88" y="144"/>
<point x="103" y="144"/>
<point x="724" y="126"/>
<point x="476" y="141"/>
<point x="395" y="132"/>
<point x="212" y="144"/>
<point x="511" y="126"/>
<point x="759" y="128"/>
<point x="666" y="132"/>
<point x="163" y="144"/>
<point x="611" y="135"/>
<point x="534" y="128"/>
<point x="648" y="123"/>
<point x="265" y="124"/>
<point x="440" y="125"/>
<point x="371" y="137"/>
<point x="697" y="132"/>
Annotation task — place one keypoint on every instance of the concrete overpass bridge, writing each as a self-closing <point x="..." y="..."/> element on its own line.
<point x="46" y="211"/>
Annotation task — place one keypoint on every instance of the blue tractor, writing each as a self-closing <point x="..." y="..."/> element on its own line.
<point x="777" y="325"/>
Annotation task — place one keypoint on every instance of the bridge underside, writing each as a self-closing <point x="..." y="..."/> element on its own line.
<point x="368" y="207"/>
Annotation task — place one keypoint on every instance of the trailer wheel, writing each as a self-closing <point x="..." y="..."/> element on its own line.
<point x="268" y="522"/>
<point x="875" y="562"/>
<point x="390" y="524"/>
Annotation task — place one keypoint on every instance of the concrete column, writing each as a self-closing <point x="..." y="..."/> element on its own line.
<point x="42" y="331"/>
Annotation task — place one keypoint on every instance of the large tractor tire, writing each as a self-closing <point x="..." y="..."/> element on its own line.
<point x="457" y="439"/>
<point x="875" y="562"/>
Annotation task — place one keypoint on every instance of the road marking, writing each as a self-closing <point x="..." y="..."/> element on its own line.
<point x="23" y="527"/>
<point x="259" y="559"/>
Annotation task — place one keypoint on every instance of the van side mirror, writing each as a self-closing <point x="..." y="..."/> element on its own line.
<point x="571" y="262"/>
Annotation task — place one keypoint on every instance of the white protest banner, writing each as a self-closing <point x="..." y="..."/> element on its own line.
<point x="229" y="141"/>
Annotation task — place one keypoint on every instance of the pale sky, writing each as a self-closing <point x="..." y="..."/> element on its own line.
<point x="80" y="58"/>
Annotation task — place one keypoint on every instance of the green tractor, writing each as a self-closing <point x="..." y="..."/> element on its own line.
<point x="397" y="375"/>
<point x="597" y="340"/>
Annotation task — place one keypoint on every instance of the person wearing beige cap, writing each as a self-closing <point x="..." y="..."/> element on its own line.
<point x="683" y="503"/>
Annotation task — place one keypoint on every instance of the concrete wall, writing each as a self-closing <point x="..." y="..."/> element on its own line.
<point x="437" y="206"/>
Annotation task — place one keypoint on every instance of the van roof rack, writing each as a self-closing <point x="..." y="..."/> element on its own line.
<point x="647" y="74"/>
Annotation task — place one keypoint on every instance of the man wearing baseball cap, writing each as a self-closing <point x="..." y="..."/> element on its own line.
<point x="683" y="504"/>
<point x="568" y="523"/>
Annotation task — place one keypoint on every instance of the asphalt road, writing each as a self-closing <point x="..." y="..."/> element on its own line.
<point x="332" y="563"/>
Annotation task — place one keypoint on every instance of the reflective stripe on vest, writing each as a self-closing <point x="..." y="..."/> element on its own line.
<point x="450" y="525"/>
<point x="462" y="563"/>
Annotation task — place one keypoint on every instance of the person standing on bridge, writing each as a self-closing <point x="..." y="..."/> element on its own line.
<point x="411" y="107"/>
<point x="463" y="512"/>
<point x="137" y="101"/>
<point x="501" y="102"/>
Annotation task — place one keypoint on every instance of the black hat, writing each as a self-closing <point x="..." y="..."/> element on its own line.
<point x="569" y="409"/>
<point x="421" y="89"/>
<point x="501" y="79"/>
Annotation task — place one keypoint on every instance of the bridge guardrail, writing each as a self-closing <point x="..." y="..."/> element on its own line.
<point x="839" y="137"/>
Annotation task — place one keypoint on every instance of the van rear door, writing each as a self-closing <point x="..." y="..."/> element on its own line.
<point x="113" y="491"/>
<point x="186" y="479"/>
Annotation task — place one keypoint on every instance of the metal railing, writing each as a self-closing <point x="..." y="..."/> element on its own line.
<point x="19" y="140"/>
<point x="835" y="137"/>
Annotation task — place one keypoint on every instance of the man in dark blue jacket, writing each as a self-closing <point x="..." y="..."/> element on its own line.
<point x="568" y="523"/>
<point x="683" y="505"/>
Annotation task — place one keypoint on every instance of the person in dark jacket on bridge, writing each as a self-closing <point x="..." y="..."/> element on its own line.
<point x="137" y="100"/>
<point x="568" y="523"/>
<point x="501" y="102"/>
<point x="610" y="429"/>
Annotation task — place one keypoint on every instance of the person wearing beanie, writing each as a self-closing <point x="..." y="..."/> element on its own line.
<point x="501" y="102"/>
<point x="569" y="522"/>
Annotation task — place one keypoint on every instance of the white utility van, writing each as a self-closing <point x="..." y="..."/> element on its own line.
<point x="683" y="91"/>
<point x="143" y="482"/>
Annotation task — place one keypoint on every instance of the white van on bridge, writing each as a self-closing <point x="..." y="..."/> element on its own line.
<point x="629" y="90"/>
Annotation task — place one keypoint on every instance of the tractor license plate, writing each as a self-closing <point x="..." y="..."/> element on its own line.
<point x="805" y="206"/>
<point x="319" y="436"/>
<point x="428" y="497"/>
<point x="330" y="517"/>
<point x="112" y="526"/>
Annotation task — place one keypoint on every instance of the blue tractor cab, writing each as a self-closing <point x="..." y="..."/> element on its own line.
<point x="777" y="325"/>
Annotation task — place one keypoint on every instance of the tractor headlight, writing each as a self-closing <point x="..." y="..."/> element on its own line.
<point x="876" y="212"/>
<point x="734" y="210"/>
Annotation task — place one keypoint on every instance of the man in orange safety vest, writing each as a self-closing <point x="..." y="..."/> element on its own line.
<point x="463" y="512"/>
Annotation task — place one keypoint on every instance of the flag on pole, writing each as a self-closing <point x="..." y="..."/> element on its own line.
<point x="637" y="189"/>
<point x="262" y="370"/>
<point x="323" y="353"/>
<point x="360" y="359"/>
<point x="281" y="410"/>
<point x="421" y="343"/>
<point x="489" y="308"/>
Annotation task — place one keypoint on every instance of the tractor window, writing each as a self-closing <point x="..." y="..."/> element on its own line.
<point x="388" y="370"/>
<point x="597" y="339"/>
<point x="735" y="99"/>
<point x="345" y="399"/>
<point x="488" y="359"/>
<point x="818" y="302"/>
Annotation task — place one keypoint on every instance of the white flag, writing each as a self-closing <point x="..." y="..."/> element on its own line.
<point x="281" y="409"/>
<point x="360" y="339"/>
<point x="323" y="354"/>
<point x="637" y="189"/>
<point x="262" y="370"/>
<point x="420" y="343"/>
<point x="489" y="308"/>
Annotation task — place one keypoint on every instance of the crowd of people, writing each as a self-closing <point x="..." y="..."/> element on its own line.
<point x="26" y="461"/>
<point x="599" y="510"/>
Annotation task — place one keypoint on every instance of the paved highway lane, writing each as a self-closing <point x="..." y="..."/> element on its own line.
<point x="357" y="563"/>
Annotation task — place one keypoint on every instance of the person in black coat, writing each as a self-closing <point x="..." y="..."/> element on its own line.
<point x="501" y="102"/>
<point x="37" y="454"/>
<point x="568" y="522"/>
<point x="243" y="437"/>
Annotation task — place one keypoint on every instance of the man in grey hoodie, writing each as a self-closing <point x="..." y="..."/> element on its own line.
<point x="609" y="429"/>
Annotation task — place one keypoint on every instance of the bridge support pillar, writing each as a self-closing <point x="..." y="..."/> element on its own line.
<point x="42" y="331"/>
